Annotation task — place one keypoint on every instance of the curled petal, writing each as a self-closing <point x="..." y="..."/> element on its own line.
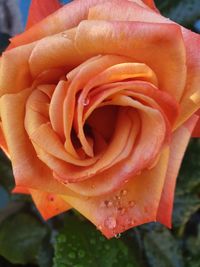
<point x="178" y="146"/>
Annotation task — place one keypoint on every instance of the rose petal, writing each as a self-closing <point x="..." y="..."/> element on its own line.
<point x="142" y="155"/>
<point x="39" y="9"/>
<point x="64" y="18"/>
<point x="11" y="79"/>
<point x="136" y="203"/>
<point x="196" y="131"/>
<point x="28" y="170"/>
<point x="177" y="149"/>
<point x="48" y="204"/>
<point x="137" y="41"/>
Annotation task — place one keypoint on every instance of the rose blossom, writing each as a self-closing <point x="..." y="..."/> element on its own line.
<point x="97" y="108"/>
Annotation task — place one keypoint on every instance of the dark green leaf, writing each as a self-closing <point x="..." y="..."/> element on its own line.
<point x="20" y="238"/>
<point x="193" y="249"/>
<point x="79" y="244"/>
<point x="185" y="12"/>
<point x="4" y="198"/>
<point x="162" y="249"/>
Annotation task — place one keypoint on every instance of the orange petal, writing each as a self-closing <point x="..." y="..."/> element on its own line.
<point x="29" y="171"/>
<point x="137" y="41"/>
<point x="54" y="52"/>
<point x="136" y="203"/>
<point x="196" y="131"/>
<point x="190" y="101"/>
<point x="11" y="79"/>
<point x="151" y="4"/>
<point x="142" y="156"/>
<point x="39" y="9"/>
<point x="48" y="204"/>
<point x="64" y="18"/>
<point x="177" y="149"/>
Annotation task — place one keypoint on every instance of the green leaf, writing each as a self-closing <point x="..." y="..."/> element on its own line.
<point x="162" y="249"/>
<point x="184" y="207"/>
<point x="20" y="238"/>
<point x="79" y="244"/>
<point x="4" y="198"/>
<point x="193" y="249"/>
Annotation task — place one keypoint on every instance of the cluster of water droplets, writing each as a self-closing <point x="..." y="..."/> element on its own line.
<point x="119" y="207"/>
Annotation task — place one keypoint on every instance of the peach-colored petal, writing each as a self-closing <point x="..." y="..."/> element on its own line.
<point x="132" y="12"/>
<point x="151" y="4"/>
<point x="136" y="203"/>
<point x="54" y="52"/>
<point x="190" y="101"/>
<point x="142" y="156"/>
<point x="56" y="107"/>
<point x="39" y="9"/>
<point x="196" y="131"/>
<point x="11" y="79"/>
<point x="177" y="148"/>
<point x="137" y="40"/>
<point x="28" y="170"/>
<point x="64" y="18"/>
<point x="48" y="204"/>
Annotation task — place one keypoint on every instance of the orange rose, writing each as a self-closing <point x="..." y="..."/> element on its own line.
<point x="97" y="108"/>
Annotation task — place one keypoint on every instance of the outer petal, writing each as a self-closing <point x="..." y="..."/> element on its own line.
<point x="11" y="79"/>
<point x="151" y="4"/>
<point x="48" y="204"/>
<point x="136" y="203"/>
<point x="190" y="101"/>
<point x="137" y="41"/>
<point x="196" y="131"/>
<point x="39" y="9"/>
<point x="177" y="148"/>
<point x="64" y="18"/>
<point x="28" y="169"/>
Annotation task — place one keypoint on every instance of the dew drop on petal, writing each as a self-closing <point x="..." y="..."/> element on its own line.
<point x="121" y="210"/>
<point x="110" y="222"/>
<point x="123" y="192"/>
<point x="131" y="203"/>
<point x="64" y="34"/>
<point x="108" y="203"/>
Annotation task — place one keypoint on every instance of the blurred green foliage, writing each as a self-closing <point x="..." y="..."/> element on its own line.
<point x="71" y="241"/>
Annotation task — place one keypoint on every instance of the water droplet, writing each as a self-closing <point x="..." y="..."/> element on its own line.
<point x="50" y="198"/>
<point x="110" y="222"/>
<point x="64" y="34"/>
<point x="126" y="181"/>
<point x="121" y="210"/>
<point x="118" y="236"/>
<point x="86" y="101"/>
<point x="81" y="253"/>
<point x="117" y="197"/>
<point x="108" y="203"/>
<point x="72" y="255"/>
<point x="123" y="192"/>
<point x="131" y="203"/>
